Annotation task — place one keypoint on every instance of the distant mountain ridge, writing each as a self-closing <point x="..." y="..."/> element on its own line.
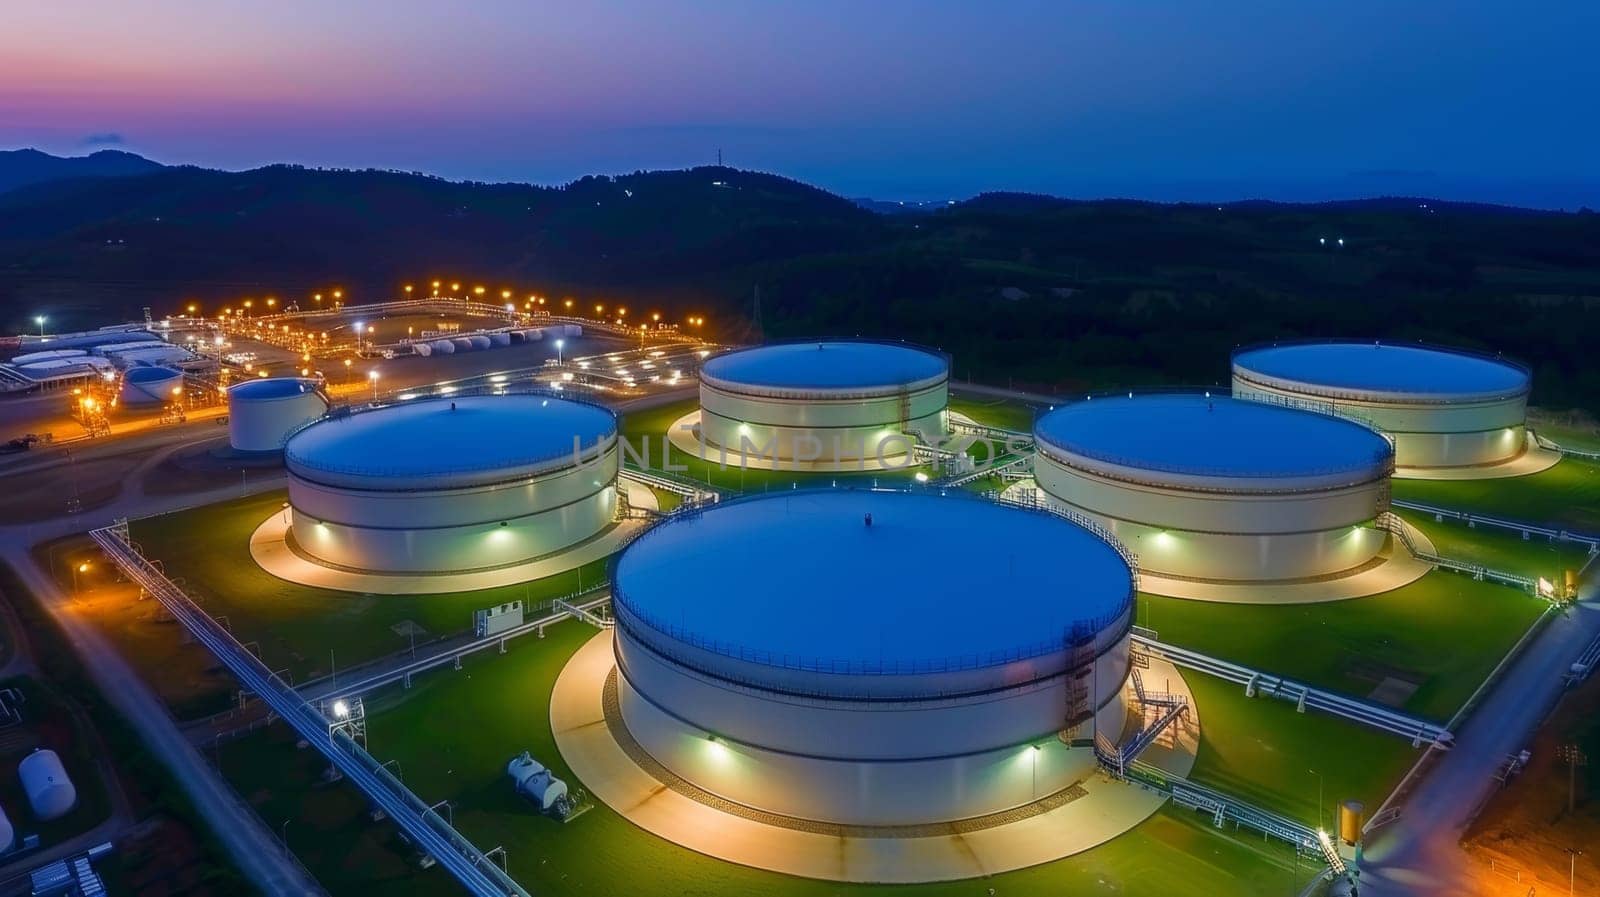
<point x="24" y="167"/>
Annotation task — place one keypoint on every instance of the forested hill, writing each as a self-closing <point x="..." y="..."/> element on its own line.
<point x="1040" y="291"/>
<point x="19" y="168"/>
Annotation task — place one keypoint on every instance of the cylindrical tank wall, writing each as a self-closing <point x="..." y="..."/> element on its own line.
<point x="1223" y="536"/>
<point x="264" y="424"/>
<point x="1437" y="434"/>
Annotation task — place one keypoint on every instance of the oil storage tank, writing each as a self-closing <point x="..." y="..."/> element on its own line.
<point x="446" y="485"/>
<point x="835" y="405"/>
<point x="1443" y="408"/>
<point x="1215" y="488"/>
<point x="50" y="792"/>
<point x="801" y="654"/>
<point x="262" y="413"/>
<point x="152" y="385"/>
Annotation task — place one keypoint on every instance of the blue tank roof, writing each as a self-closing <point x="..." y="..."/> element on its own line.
<point x="441" y="437"/>
<point x="802" y="577"/>
<point x="1190" y="433"/>
<point x="826" y="365"/>
<point x="151" y="374"/>
<point x="270" y="388"/>
<point x="1378" y="368"/>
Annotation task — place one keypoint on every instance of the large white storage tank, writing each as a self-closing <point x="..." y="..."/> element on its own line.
<point x="1444" y="408"/>
<point x="151" y="385"/>
<point x="442" y="485"/>
<point x="832" y="405"/>
<point x="50" y="792"/>
<point x="1219" y="489"/>
<point x="864" y="686"/>
<point x="262" y="413"/>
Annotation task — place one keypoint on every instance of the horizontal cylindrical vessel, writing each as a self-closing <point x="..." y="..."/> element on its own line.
<point x="823" y="405"/>
<point x="1441" y="407"/>
<point x="452" y="484"/>
<point x="262" y="413"/>
<point x="802" y="654"/>
<point x="1214" y="488"/>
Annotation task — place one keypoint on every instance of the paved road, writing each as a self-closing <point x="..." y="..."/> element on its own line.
<point x="252" y="846"/>
<point x="1421" y="853"/>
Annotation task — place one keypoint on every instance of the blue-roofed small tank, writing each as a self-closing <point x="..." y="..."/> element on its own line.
<point x="479" y="341"/>
<point x="50" y="792"/>
<point x="422" y="350"/>
<point x="263" y="413"/>
<point x="151" y="385"/>
<point x="443" y="347"/>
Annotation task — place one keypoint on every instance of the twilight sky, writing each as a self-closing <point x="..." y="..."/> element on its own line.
<point x="913" y="99"/>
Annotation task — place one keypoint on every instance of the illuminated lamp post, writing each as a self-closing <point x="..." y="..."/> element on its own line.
<point x="373" y="376"/>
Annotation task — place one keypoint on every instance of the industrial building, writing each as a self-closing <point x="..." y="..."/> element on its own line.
<point x="1443" y="408"/>
<point x="262" y="414"/>
<point x="805" y="654"/>
<point x="451" y="485"/>
<point x="833" y="405"/>
<point x="1213" y="488"/>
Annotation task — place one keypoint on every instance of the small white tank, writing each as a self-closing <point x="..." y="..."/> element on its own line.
<point x="479" y="341"/>
<point x="535" y="781"/>
<point x="151" y="385"/>
<point x="442" y="347"/>
<point x="262" y="413"/>
<point x="500" y="339"/>
<point x="422" y="349"/>
<point x="7" y="832"/>
<point x="45" y="781"/>
<point x="464" y="344"/>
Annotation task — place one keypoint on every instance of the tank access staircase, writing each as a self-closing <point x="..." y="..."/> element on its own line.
<point x="1397" y="527"/>
<point x="432" y="834"/>
<point x="1375" y="716"/>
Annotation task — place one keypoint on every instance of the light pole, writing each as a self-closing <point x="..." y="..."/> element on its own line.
<point x="373" y="376"/>
<point x="1572" y="870"/>
<point x="559" y="344"/>
<point x="283" y="835"/>
<point x="39" y="319"/>
<point x="347" y="363"/>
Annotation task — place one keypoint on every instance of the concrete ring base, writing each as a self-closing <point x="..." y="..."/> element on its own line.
<point x="1534" y="459"/>
<point x="1393" y="567"/>
<point x="684" y="434"/>
<point x="271" y="551"/>
<point x="1054" y="828"/>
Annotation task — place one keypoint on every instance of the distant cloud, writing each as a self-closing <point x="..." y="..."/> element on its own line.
<point x="109" y="138"/>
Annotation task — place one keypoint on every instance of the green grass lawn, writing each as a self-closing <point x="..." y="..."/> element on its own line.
<point x="1261" y="750"/>
<point x="1581" y="438"/>
<point x="645" y="430"/>
<point x="1500" y="549"/>
<point x="1444" y="632"/>
<point x="296" y="626"/>
<point x="1565" y="496"/>
<point x="452" y="734"/>
<point x="1007" y="414"/>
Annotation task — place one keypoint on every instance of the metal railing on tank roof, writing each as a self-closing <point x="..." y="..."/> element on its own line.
<point x="1083" y="630"/>
<point x="1383" y="460"/>
<point x="1357" y="394"/>
<point x="834" y="393"/>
